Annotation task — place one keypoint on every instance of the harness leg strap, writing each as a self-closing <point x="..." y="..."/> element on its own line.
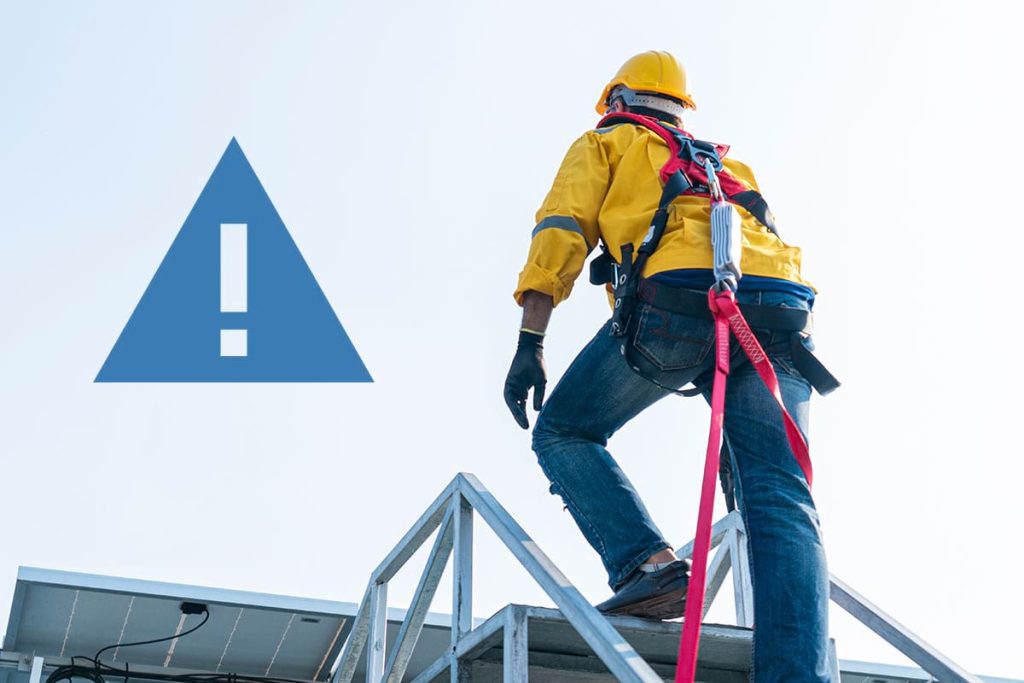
<point x="810" y="367"/>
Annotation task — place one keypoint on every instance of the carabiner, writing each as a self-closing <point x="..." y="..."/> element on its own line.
<point x="714" y="187"/>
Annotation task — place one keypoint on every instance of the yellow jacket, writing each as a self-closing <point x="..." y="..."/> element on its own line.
<point x="607" y="189"/>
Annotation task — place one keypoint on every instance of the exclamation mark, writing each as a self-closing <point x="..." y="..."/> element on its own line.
<point x="234" y="276"/>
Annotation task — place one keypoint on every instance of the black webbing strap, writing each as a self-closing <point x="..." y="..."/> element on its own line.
<point x="810" y="367"/>
<point x="752" y="201"/>
<point x="726" y="478"/>
<point x="627" y="275"/>
<point x="797" y="321"/>
<point x="676" y="185"/>
<point x="695" y="304"/>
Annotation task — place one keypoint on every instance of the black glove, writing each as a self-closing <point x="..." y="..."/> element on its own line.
<point x="527" y="371"/>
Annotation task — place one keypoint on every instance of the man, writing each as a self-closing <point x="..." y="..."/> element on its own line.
<point x="606" y="191"/>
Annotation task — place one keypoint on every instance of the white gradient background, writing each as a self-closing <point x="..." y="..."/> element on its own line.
<point x="407" y="146"/>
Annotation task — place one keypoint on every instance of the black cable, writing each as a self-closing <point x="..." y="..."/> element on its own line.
<point x="96" y="674"/>
<point x="90" y="673"/>
<point x="96" y="670"/>
<point x="96" y="657"/>
<point x="71" y="671"/>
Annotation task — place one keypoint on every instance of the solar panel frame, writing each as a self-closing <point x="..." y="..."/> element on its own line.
<point x="58" y="614"/>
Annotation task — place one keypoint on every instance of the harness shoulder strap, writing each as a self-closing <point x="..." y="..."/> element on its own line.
<point x="734" y="190"/>
<point x="652" y="125"/>
<point x="626" y="278"/>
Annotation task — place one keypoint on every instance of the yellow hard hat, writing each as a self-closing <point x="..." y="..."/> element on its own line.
<point x="652" y="71"/>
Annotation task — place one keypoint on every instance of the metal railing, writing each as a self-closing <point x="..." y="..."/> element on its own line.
<point x="452" y="511"/>
<point x="899" y="636"/>
<point x="729" y="535"/>
<point x="451" y="514"/>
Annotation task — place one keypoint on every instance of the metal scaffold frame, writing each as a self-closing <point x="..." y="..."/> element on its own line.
<point x="452" y="511"/>
<point x="451" y="515"/>
<point x="730" y="537"/>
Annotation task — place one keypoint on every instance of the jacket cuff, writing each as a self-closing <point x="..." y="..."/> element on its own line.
<point x="535" y="278"/>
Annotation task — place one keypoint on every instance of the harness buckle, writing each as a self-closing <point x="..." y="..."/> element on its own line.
<point x="699" y="152"/>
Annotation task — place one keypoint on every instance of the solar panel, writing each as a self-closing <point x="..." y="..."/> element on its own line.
<point x="57" y="614"/>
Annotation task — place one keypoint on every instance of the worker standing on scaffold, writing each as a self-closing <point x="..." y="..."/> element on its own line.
<point x="639" y="162"/>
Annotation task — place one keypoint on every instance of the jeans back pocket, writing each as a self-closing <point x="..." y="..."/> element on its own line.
<point x="671" y="341"/>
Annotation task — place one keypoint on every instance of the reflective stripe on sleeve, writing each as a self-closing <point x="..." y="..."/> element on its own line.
<point x="563" y="223"/>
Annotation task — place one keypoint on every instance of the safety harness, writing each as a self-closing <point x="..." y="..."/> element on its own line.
<point x="695" y="167"/>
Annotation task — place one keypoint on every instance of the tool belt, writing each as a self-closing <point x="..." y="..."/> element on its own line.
<point x="794" y="320"/>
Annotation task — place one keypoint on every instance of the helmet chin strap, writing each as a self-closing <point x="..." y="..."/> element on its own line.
<point x="632" y="98"/>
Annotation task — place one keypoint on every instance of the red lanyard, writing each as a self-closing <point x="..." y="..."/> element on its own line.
<point x="727" y="317"/>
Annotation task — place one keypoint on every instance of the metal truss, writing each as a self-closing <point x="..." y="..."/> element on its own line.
<point x="730" y="536"/>
<point x="451" y="515"/>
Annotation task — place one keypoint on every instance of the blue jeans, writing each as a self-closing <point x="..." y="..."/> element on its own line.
<point x="599" y="393"/>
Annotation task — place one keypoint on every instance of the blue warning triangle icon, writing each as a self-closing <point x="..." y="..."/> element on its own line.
<point x="233" y="300"/>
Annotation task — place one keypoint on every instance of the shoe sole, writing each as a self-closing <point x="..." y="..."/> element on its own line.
<point x="669" y="605"/>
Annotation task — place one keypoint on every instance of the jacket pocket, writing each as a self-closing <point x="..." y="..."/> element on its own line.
<point x="671" y="341"/>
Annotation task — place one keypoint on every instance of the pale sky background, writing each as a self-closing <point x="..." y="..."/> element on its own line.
<point x="407" y="146"/>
